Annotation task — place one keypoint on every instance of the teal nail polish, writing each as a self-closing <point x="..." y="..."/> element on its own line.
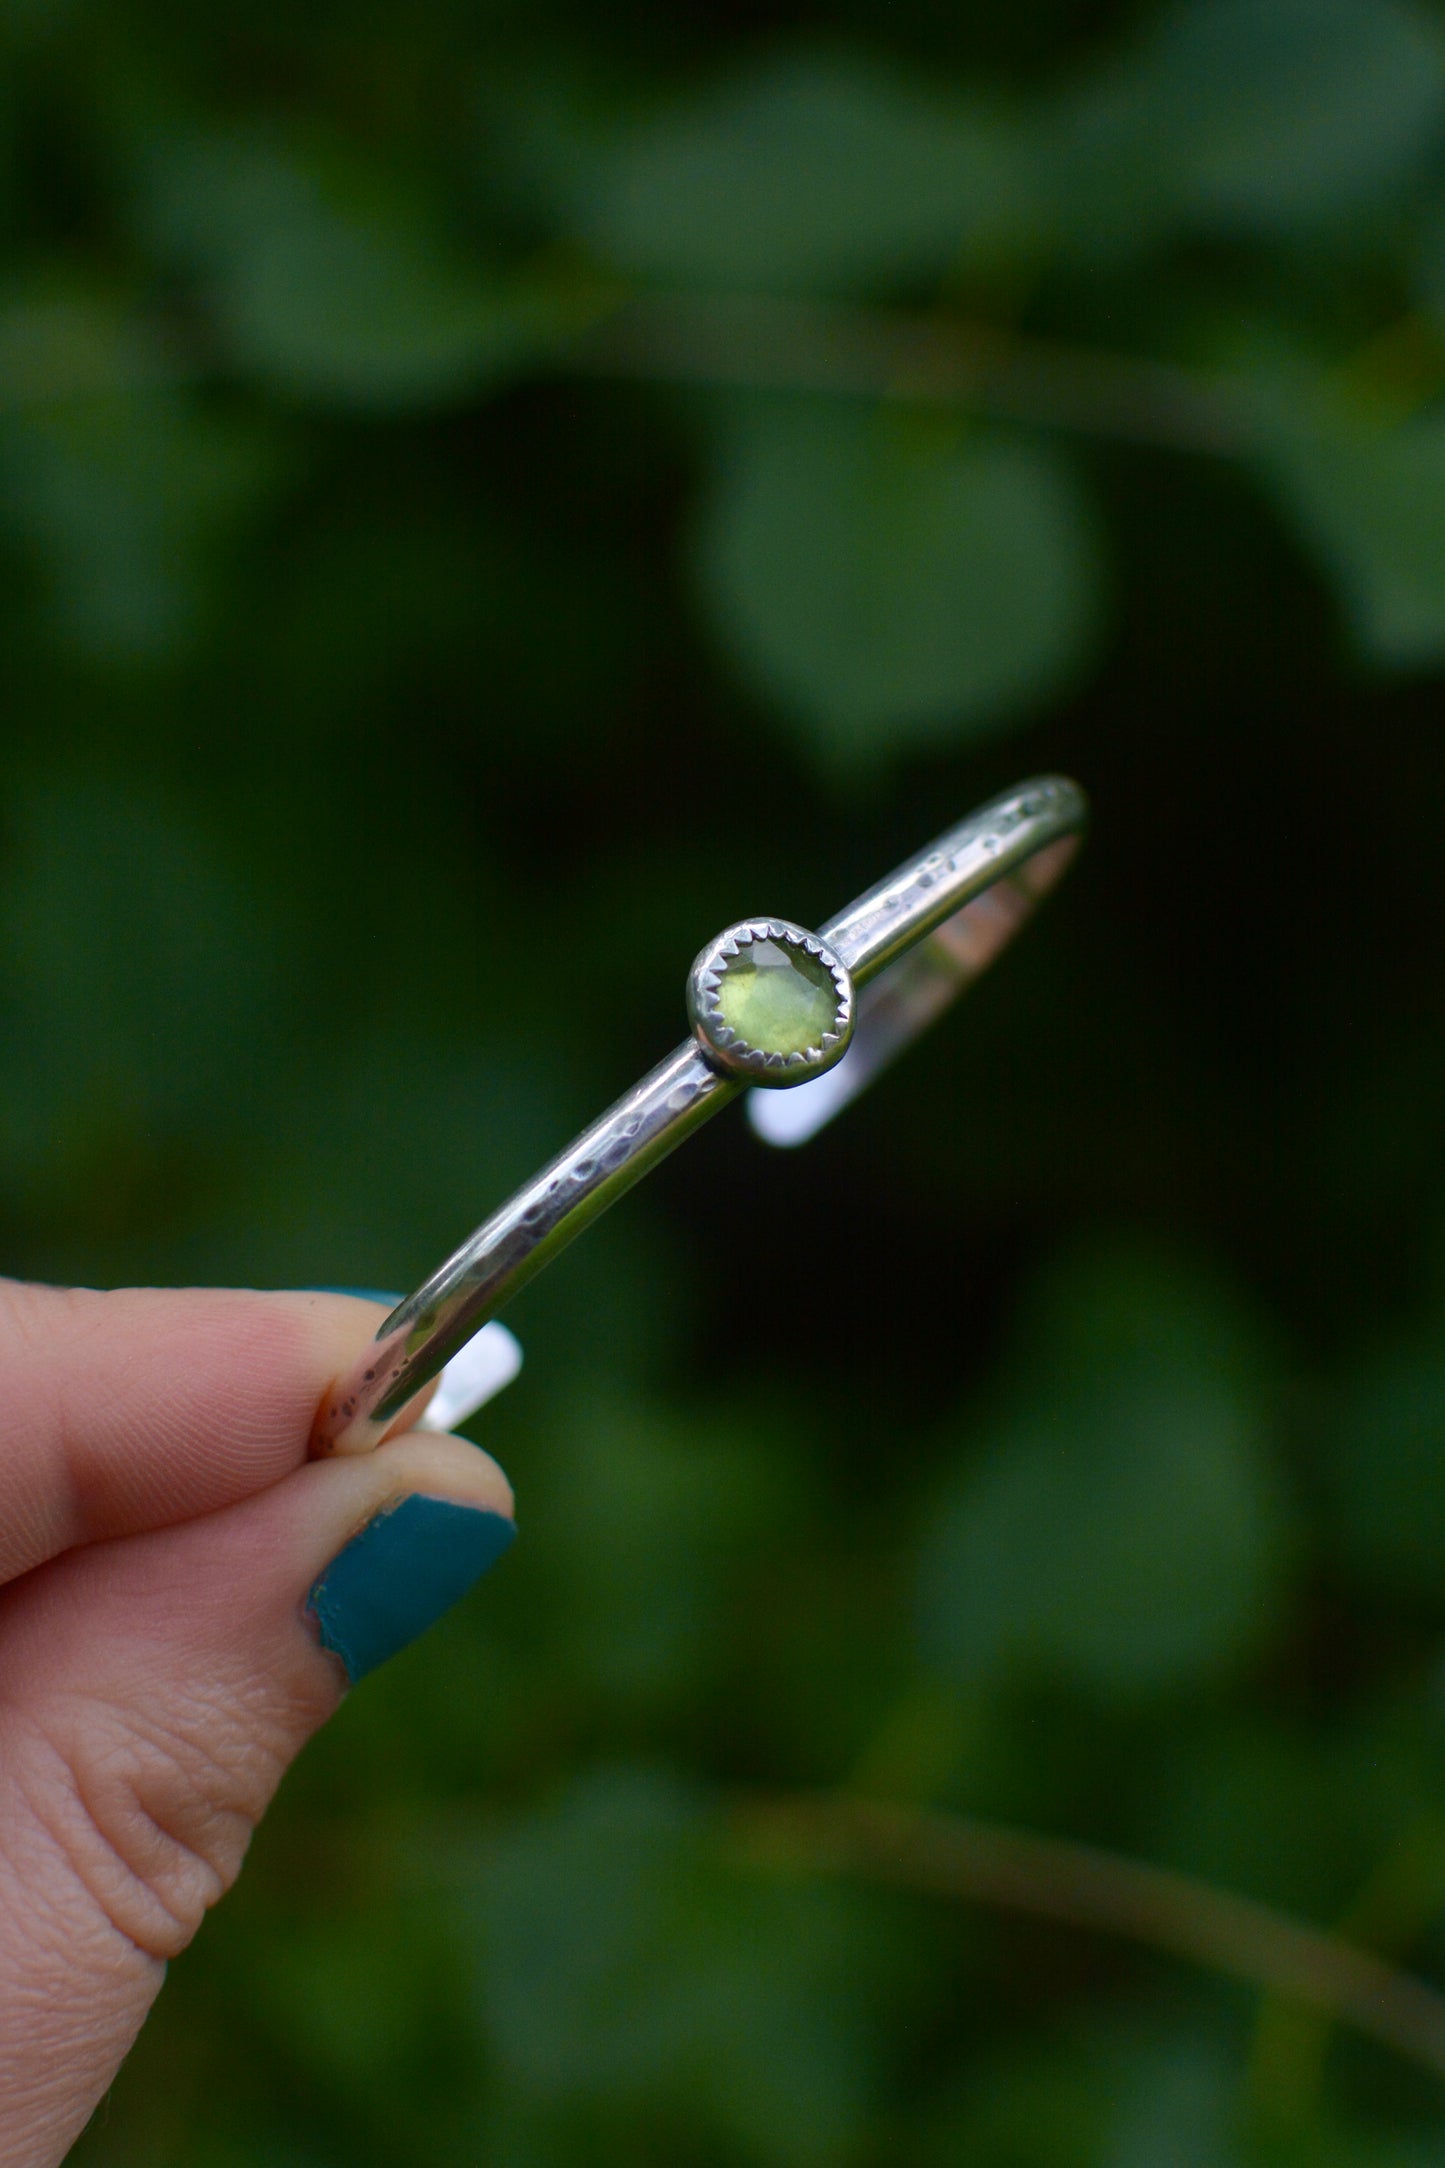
<point x="399" y="1575"/>
<point x="367" y="1294"/>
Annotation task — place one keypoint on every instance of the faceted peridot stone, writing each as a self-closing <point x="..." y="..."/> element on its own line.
<point x="778" y="999"/>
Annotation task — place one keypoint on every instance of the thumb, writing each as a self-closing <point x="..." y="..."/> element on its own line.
<point x="153" y="1690"/>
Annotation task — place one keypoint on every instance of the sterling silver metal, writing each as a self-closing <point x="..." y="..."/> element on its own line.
<point x="898" y="957"/>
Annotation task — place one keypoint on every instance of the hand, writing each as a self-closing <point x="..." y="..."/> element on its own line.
<point x="184" y="1601"/>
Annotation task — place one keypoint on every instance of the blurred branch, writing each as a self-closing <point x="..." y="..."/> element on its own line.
<point x="58" y="348"/>
<point x="956" y="1856"/>
<point x="915" y="357"/>
<point x="1399" y="1900"/>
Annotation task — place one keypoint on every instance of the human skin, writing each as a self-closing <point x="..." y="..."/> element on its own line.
<point x="161" y="1531"/>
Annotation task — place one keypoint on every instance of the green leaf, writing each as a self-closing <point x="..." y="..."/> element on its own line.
<point x="888" y="584"/>
<point x="364" y="1995"/>
<point x="63" y="338"/>
<point x="1256" y="116"/>
<point x="1385" y="1466"/>
<point x="1430" y="268"/>
<point x="330" y="281"/>
<point x="1370" y="503"/>
<point x="1266" y="1808"/>
<point x="815" y="171"/>
<point x="136" y="984"/>
<point x="1031" y="2100"/>
<point x="1181" y="2110"/>
<point x="643" y="1525"/>
<point x="119" y="498"/>
<point x="623" y="1963"/>
<point x="1096" y="2094"/>
<point x="1121" y="1526"/>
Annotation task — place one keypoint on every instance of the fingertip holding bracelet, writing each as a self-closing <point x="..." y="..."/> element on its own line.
<point x="801" y="1021"/>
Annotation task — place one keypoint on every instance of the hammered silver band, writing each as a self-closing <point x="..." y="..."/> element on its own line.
<point x="898" y="957"/>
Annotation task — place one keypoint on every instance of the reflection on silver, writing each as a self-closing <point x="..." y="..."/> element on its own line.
<point x="910" y="946"/>
<point x="483" y="1368"/>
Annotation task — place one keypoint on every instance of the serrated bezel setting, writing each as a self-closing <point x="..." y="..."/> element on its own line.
<point x="724" y="1047"/>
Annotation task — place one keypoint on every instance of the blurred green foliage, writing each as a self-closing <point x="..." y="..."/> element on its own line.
<point x="1120" y="1523"/>
<point x="486" y="497"/>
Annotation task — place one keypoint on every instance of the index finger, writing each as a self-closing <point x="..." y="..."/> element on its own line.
<point x="133" y="1409"/>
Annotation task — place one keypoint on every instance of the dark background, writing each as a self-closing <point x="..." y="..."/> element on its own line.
<point x="488" y="496"/>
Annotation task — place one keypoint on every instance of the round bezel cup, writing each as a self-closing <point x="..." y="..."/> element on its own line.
<point x="797" y="1033"/>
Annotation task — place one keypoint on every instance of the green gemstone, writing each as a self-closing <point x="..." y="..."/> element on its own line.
<point x="777" y="999"/>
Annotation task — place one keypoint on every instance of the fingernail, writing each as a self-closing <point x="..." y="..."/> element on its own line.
<point x="398" y="1576"/>
<point x="367" y="1294"/>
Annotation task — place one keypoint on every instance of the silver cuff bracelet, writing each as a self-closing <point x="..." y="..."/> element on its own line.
<point x="806" y="1019"/>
